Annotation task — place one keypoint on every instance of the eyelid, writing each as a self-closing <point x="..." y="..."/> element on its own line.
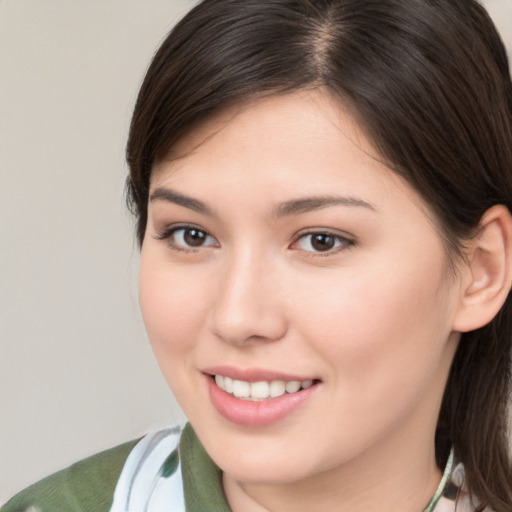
<point x="167" y="233"/>
<point x="347" y="241"/>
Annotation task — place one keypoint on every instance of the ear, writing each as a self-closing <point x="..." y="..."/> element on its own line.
<point x="487" y="273"/>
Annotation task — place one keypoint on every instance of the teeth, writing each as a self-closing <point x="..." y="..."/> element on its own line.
<point x="228" y="385"/>
<point x="241" y="389"/>
<point x="293" y="386"/>
<point x="255" y="391"/>
<point x="277" y="388"/>
<point x="219" y="380"/>
<point x="260" y="389"/>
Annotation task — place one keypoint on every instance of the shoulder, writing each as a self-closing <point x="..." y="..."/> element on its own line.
<point x="164" y="467"/>
<point x="85" y="486"/>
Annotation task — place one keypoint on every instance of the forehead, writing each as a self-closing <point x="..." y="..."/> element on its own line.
<point x="298" y="144"/>
<point x="314" y="117"/>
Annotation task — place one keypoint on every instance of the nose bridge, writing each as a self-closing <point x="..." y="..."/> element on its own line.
<point x="247" y="305"/>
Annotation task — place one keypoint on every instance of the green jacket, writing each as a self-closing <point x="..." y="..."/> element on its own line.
<point x="69" y="490"/>
<point x="89" y="485"/>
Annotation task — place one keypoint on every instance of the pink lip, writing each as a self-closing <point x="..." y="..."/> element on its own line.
<point x="253" y="374"/>
<point x="257" y="414"/>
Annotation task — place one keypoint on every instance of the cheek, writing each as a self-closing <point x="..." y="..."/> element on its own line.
<point x="172" y="305"/>
<point x="381" y="331"/>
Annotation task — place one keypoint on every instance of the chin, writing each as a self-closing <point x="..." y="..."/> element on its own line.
<point x="260" y="459"/>
<point x="265" y="472"/>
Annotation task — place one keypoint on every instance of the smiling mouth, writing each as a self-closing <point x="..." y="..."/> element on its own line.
<point x="262" y="390"/>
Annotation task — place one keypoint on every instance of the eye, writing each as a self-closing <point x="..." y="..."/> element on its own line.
<point x="322" y="242"/>
<point x="186" y="238"/>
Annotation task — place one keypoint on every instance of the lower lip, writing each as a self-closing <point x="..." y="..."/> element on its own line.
<point x="256" y="414"/>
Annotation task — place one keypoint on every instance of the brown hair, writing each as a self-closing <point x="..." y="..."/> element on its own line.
<point x="429" y="82"/>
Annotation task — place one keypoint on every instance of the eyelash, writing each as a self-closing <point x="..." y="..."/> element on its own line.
<point x="344" y="242"/>
<point x="168" y="233"/>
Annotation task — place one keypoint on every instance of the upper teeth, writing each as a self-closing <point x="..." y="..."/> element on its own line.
<point x="260" y="390"/>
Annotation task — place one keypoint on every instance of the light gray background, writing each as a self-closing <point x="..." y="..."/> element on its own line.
<point x="76" y="372"/>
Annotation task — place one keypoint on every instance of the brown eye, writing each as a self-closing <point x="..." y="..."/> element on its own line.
<point x="194" y="237"/>
<point x="187" y="238"/>
<point x="322" y="242"/>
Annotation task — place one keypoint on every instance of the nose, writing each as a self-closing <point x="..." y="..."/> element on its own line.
<point x="247" y="308"/>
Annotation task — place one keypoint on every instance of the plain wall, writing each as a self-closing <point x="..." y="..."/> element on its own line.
<point x="76" y="371"/>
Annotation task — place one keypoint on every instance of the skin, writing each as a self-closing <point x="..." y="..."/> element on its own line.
<point x="372" y="319"/>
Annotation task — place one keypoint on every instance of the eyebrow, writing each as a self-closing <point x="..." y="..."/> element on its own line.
<point x="307" y="204"/>
<point x="170" y="196"/>
<point x="292" y="207"/>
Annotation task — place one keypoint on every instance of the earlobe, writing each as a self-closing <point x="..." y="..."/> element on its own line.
<point x="487" y="275"/>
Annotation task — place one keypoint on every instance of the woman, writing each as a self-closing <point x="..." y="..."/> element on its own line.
<point x="323" y="192"/>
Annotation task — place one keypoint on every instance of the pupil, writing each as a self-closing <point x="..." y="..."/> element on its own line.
<point x="322" y="242"/>
<point x="194" y="237"/>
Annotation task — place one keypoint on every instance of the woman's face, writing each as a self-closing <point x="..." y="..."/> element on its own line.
<point x="283" y="258"/>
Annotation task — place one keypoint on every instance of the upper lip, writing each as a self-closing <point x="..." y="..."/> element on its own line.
<point x="253" y="374"/>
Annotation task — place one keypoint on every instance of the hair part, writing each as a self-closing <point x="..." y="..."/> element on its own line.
<point x="428" y="81"/>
